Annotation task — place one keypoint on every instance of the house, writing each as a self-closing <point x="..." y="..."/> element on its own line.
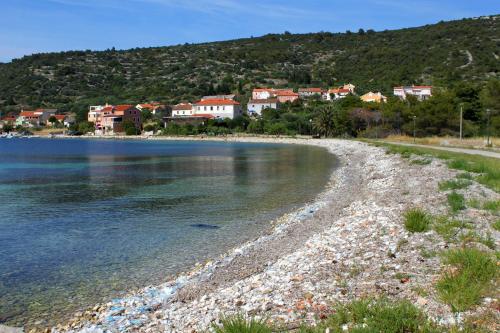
<point x="28" y="118"/>
<point x="7" y="120"/>
<point x="310" y="92"/>
<point x="339" y="92"/>
<point x="183" y="110"/>
<point x="59" y="117"/>
<point x="154" y="107"/>
<point x="421" y="92"/>
<point x="267" y="93"/>
<point x="287" y="96"/>
<point x="110" y="119"/>
<point x="372" y="97"/>
<point x="218" y="108"/>
<point x="256" y="106"/>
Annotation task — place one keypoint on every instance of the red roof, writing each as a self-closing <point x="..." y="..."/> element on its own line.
<point x="123" y="107"/>
<point x="8" y="118"/>
<point x="263" y="101"/>
<point x="314" y="90"/>
<point x="210" y="102"/>
<point x="286" y="93"/>
<point x="107" y="108"/>
<point x="29" y="114"/>
<point x="60" y="116"/>
<point x="183" y="106"/>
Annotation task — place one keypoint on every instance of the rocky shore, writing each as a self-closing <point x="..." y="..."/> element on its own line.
<point x="349" y="243"/>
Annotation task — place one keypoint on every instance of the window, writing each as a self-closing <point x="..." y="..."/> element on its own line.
<point x="211" y="108"/>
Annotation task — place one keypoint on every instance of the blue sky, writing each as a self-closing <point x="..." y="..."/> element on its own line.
<point x="31" y="26"/>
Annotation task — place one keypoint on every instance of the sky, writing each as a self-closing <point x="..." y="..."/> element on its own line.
<point x="34" y="26"/>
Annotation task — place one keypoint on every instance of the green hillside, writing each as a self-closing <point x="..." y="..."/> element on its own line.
<point x="442" y="54"/>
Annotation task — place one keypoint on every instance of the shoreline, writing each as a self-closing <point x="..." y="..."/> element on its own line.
<point x="331" y="250"/>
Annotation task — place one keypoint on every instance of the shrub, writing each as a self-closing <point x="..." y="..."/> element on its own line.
<point x="454" y="184"/>
<point x="465" y="284"/>
<point x="416" y="220"/>
<point x="375" y="316"/>
<point x="456" y="201"/>
<point x="493" y="206"/>
<point x="239" y="324"/>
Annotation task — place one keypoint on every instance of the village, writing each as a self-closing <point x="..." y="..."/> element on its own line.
<point x="111" y="120"/>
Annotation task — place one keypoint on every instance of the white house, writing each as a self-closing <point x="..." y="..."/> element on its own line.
<point x="183" y="110"/>
<point x="256" y="106"/>
<point x="340" y="92"/>
<point x="218" y="108"/>
<point x="372" y="97"/>
<point x="421" y="92"/>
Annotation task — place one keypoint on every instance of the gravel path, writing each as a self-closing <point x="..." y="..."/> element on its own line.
<point x="454" y="150"/>
<point x="349" y="243"/>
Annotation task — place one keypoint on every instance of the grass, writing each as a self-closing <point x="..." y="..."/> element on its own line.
<point x="496" y="225"/>
<point x="425" y="161"/>
<point x="417" y="220"/>
<point x="493" y="206"/>
<point x="465" y="175"/>
<point x="239" y="324"/>
<point x="474" y="203"/>
<point x="457" y="184"/>
<point x="456" y="201"/>
<point x="449" y="140"/>
<point x="469" y="278"/>
<point x="487" y="168"/>
<point x="447" y="228"/>
<point x="375" y="316"/>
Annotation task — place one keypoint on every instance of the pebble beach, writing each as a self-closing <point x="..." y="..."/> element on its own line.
<point x="347" y="244"/>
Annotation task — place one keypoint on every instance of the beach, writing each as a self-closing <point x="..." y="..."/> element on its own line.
<point x="348" y="243"/>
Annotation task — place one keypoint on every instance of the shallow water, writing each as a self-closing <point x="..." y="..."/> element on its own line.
<point x="82" y="221"/>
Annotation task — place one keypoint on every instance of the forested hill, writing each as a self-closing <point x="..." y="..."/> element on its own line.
<point x="442" y="54"/>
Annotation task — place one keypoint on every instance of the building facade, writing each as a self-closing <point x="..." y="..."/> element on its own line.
<point x="372" y="97"/>
<point x="183" y="110"/>
<point x="420" y="92"/>
<point x="256" y="106"/>
<point x="218" y="108"/>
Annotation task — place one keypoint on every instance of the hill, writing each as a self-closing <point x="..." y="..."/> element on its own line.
<point x="441" y="54"/>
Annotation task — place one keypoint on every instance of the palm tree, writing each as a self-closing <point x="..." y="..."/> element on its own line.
<point x="324" y="122"/>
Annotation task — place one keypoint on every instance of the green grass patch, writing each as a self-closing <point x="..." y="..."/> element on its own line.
<point x="465" y="175"/>
<point x="469" y="278"/>
<point x="454" y="184"/>
<point x="417" y="220"/>
<point x="488" y="168"/>
<point x="375" y="316"/>
<point x="474" y="203"/>
<point x="239" y="324"/>
<point x="448" y="228"/>
<point x="425" y="161"/>
<point x="496" y="225"/>
<point x="493" y="206"/>
<point x="456" y="202"/>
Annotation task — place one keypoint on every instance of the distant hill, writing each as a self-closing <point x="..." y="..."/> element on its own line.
<point x="440" y="54"/>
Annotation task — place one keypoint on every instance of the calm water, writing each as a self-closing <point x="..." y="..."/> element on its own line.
<point x="82" y="221"/>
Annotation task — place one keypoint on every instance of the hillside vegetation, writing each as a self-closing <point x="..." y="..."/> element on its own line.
<point x="442" y="54"/>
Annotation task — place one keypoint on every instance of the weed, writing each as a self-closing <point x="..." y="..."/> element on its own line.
<point x="417" y="220"/>
<point x="456" y="201"/>
<point x="447" y="228"/>
<point x="425" y="161"/>
<point x="496" y="225"/>
<point x="493" y="206"/>
<point x="465" y="175"/>
<point x="463" y="286"/>
<point x="454" y="184"/>
<point x="239" y="324"/>
<point x="474" y="203"/>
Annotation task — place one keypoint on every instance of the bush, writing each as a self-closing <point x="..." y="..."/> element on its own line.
<point x="375" y="316"/>
<point x="456" y="201"/>
<point x="239" y="324"/>
<point x="465" y="284"/>
<point x="454" y="184"/>
<point x="416" y="220"/>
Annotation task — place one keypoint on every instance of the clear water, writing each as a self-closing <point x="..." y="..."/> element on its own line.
<point x="82" y="221"/>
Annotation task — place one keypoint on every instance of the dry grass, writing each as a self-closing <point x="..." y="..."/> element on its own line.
<point x="448" y="141"/>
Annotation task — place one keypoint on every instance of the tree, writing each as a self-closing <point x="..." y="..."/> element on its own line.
<point x="323" y="123"/>
<point x="129" y="128"/>
<point x="53" y="120"/>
